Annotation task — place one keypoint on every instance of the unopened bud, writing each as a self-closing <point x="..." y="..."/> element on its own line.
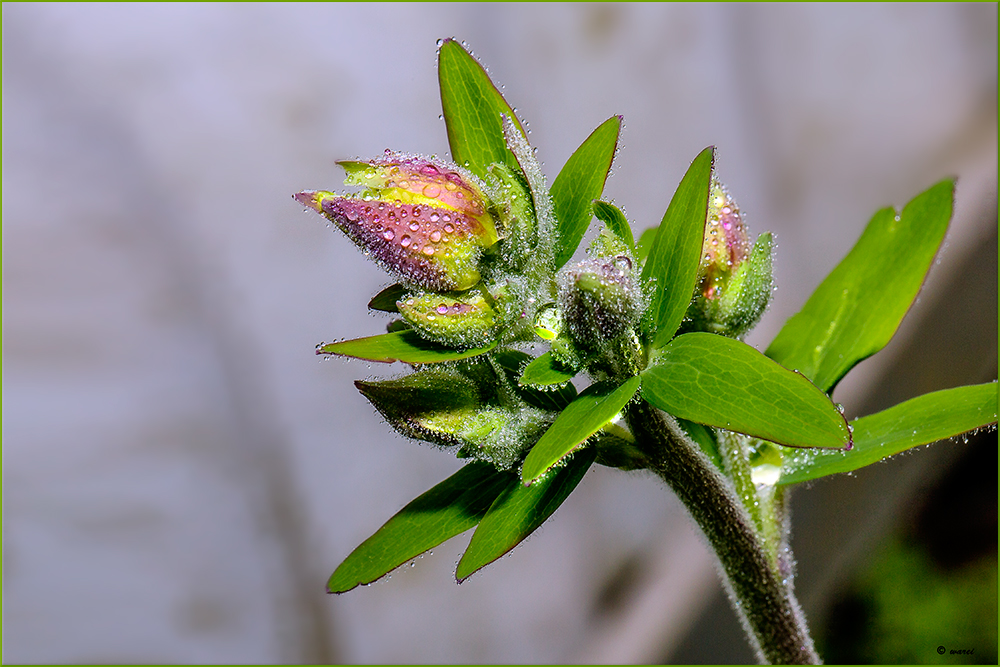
<point x="734" y="279"/>
<point x="457" y="320"/>
<point x="426" y="221"/>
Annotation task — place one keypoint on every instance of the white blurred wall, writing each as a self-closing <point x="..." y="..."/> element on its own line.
<point x="181" y="473"/>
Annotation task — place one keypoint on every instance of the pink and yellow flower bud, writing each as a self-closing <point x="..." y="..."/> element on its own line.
<point x="726" y="242"/>
<point x="423" y="220"/>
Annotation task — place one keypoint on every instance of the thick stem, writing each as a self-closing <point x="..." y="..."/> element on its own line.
<point x="763" y="600"/>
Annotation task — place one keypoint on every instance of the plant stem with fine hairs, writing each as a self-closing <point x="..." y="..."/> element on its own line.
<point x="763" y="598"/>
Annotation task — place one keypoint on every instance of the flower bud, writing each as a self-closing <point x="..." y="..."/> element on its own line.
<point x="456" y="320"/>
<point x="426" y="221"/>
<point x="452" y="406"/>
<point x="599" y="300"/>
<point x="726" y="243"/>
<point x="430" y="405"/>
<point x="734" y="279"/>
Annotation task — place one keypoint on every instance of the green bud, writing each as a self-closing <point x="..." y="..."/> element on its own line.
<point x="456" y="319"/>
<point x="457" y="405"/>
<point x="599" y="300"/>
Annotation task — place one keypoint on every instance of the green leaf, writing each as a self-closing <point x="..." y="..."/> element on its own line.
<point x="704" y="437"/>
<point x="579" y="183"/>
<point x="672" y="267"/>
<point x="553" y="399"/>
<point x="545" y="371"/>
<point x="615" y="221"/>
<point x="722" y="382"/>
<point x="472" y="106"/>
<point x="450" y="508"/>
<point x="857" y="309"/>
<point x="918" y="421"/>
<point x="406" y="346"/>
<point x="387" y="298"/>
<point x="645" y="243"/>
<point x="519" y="511"/>
<point x="595" y="407"/>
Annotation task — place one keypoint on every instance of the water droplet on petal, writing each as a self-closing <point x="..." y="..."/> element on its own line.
<point x="443" y="309"/>
<point x="448" y="228"/>
<point x="435" y="236"/>
<point x="434" y="217"/>
<point x="414" y="226"/>
<point x="432" y="191"/>
<point x="405" y="240"/>
<point x="428" y="250"/>
<point x="388" y="235"/>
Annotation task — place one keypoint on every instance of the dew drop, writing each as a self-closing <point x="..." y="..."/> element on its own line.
<point x="435" y="236"/>
<point x="442" y="309"/>
<point x="448" y="228"/>
<point x="405" y="240"/>
<point x="432" y="191"/>
<point x="388" y="235"/>
<point x="414" y="226"/>
<point x="428" y="250"/>
<point x="434" y="217"/>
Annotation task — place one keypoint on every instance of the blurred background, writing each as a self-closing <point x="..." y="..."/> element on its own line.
<point x="181" y="473"/>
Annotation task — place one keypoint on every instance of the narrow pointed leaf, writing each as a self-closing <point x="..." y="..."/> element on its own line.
<point x="450" y="508"/>
<point x="721" y="382"/>
<point x="584" y="417"/>
<point x="858" y="307"/>
<point x="579" y="183"/>
<point x="672" y="265"/>
<point x="387" y="298"/>
<point x="519" y="511"/>
<point x="553" y="399"/>
<point x="918" y="421"/>
<point x="406" y="346"/>
<point x="645" y="243"/>
<point x="615" y="220"/>
<point x="545" y="371"/>
<point x="472" y="106"/>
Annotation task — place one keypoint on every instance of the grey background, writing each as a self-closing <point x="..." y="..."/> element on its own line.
<point x="181" y="473"/>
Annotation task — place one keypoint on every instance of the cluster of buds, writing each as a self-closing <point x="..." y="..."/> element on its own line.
<point x="429" y="223"/>
<point x="734" y="278"/>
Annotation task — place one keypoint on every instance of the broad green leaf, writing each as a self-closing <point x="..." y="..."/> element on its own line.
<point x="858" y="307"/>
<point x="615" y="220"/>
<point x="406" y="346"/>
<point x="387" y="298"/>
<point x="595" y="407"/>
<point x="545" y="371"/>
<point x="553" y="399"/>
<point x="918" y="421"/>
<point x="645" y="243"/>
<point x="721" y="382"/>
<point x="472" y="106"/>
<point x="579" y="183"/>
<point x="519" y="511"/>
<point x="450" y="508"/>
<point x="672" y="266"/>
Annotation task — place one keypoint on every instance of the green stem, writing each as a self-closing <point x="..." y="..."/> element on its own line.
<point x="762" y="598"/>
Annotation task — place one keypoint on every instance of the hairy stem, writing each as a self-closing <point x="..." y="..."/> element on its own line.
<point x="762" y="598"/>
